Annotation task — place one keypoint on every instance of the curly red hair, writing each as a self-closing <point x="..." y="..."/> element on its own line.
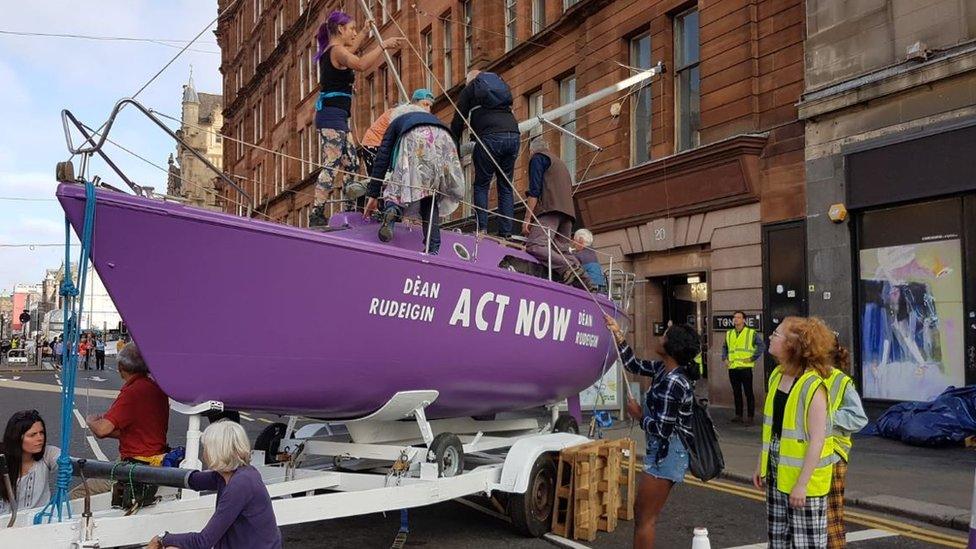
<point x="809" y="345"/>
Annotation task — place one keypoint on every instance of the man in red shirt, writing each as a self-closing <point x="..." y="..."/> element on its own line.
<point x="139" y="417"/>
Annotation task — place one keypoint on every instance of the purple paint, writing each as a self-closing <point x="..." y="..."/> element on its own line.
<point x="275" y="318"/>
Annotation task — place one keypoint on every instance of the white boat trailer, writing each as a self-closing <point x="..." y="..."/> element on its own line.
<point x="420" y="462"/>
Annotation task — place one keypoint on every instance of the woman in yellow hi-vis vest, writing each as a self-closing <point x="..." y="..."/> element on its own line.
<point x="796" y="458"/>
<point x="847" y="417"/>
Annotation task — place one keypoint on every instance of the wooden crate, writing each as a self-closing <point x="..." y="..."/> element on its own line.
<point x="593" y="488"/>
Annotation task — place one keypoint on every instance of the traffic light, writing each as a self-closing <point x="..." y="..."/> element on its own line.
<point x="25" y="317"/>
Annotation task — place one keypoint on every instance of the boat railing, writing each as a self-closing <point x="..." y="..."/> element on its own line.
<point x="620" y="287"/>
<point x="95" y="141"/>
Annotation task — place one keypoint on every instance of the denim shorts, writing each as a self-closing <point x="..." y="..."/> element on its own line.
<point x="673" y="465"/>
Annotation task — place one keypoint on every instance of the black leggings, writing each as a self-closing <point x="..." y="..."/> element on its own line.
<point x="741" y="379"/>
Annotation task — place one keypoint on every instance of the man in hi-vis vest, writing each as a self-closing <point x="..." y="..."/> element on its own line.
<point x="743" y="347"/>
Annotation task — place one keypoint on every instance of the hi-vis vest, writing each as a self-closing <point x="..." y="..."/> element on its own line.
<point x="741" y="346"/>
<point x="837" y="383"/>
<point x="701" y="365"/>
<point x="795" y="437"/>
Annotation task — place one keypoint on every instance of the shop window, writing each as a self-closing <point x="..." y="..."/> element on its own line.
<point x="911" y="304"/>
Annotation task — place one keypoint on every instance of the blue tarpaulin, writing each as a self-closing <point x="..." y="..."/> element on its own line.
<point x="945" y="421"/>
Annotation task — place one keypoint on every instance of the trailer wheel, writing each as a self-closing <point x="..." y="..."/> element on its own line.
<point x="566" y="424"/>
<point x="531" y="512"/>
<point x="448" y="453"/>
<point x="269" y="440"/>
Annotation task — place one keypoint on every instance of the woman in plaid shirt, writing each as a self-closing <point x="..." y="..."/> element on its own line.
<point x="665" y="419"/>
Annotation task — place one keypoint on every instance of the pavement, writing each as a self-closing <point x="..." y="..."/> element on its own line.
<point x="931" y="485"/>
<point x="733" y="512"/>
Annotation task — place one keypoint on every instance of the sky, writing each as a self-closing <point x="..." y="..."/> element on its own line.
<point x="40" y="76"/>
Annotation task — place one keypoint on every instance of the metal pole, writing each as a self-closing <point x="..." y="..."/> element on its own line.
<point x="559" y="112"/>
<point x="404" y="97"/>
<point x="610" y="280"/>
<point x="594" y="146"/>
<point x="430" y="223"/>
<point x="549" y="250"/>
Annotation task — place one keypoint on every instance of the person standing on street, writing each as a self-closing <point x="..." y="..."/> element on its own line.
<point x="665" y="419"/>
<point x="743" y="347"/>
<point x="486" y="104"/>
<point x="99" y="353"/>
<point x="58" y="351"/>
<point x="84" y="349"/>
<point x="796" y="460"/>
<point x="847" y="417"/>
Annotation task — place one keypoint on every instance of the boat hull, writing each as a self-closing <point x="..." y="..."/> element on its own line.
<point x="268" y="317"/>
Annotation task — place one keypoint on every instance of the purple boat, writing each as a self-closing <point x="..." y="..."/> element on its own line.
<point x="275" y="318"/>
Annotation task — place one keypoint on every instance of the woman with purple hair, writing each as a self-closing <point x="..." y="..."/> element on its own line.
<point x="338" y="41"/>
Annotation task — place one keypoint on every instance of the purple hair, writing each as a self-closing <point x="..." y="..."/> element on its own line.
<point x="331" y="26"/>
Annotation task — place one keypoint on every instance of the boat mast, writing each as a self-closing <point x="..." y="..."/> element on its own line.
<point x="404" y="97"/>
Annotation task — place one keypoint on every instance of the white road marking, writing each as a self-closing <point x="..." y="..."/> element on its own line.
<point x="99" y="454"/>
<point x="246" y="417"/>
<point x="860" y="535"/>
<point x="265" y="420"/>
<point x="873" y="533"/>
<point x="47" y="387"/>
<point x="563" y="542"/>
<point x="81" y="420"/>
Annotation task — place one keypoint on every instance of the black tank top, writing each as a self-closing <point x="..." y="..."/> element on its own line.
<point x="333" y="80"/>
<point x="779" y="409"/>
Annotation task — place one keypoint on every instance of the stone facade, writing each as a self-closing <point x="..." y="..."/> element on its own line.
<point x="200" y="127"/>
<point x="878" y="73"/>
<point x="743" y="171"/>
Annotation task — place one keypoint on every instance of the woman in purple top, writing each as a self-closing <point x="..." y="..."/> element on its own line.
<point x="244" y="517"/>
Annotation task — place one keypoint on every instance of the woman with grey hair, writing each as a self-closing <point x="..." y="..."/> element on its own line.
<point x="583" y="248"/>
<point x="244" y="517"/>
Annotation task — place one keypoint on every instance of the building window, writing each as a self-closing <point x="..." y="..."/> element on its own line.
<point x="538" y="15"/>
<point x="640" y="103"/>
<point x="302" y="153"/>
<point x="240" y="31"/>
<point x="394" y="89"/>
<point x="279" y="24"/>
<point x="257" y="113"/>
<point x="448" y="51"/>
<point x="535" y="109"/>
<point x="567" y="147"/>
<point x="569" y="3"/>
<point x="302" y="76"/>
<point x="371" y="97"/>
<point x="258" y="8"/>
<point x="313" y="81"/>
<point x="277" y="173"/>
<point x="384" y="86"/>
<point x="428" y="41"/>
<point x="240" y="140"/>
<point x="468" y="34"/>
<point x="687" y="81"/>
<point x="511" y="24"/>
<point x="302" y="4"/>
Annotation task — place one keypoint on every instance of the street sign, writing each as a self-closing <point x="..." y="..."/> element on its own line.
<point x="724" y="322"/>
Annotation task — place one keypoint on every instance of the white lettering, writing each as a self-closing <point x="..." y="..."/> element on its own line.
<point x="526" y="312"/>
<point x="540" y="331"/>
<point x="435" y="289"/>
<point x="587" y="340"/>
<point x="502" y="301"/>
<point x="428" y="314"/>
<point x="479" y="319"/>
<point x="560" y="323"/>
<point x="407" y="286"/>
<point x="462" y="310"/>
<point x="372" y="306"/>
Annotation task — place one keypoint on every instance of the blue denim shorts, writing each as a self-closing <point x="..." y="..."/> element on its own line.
<point x="673" y="465"/>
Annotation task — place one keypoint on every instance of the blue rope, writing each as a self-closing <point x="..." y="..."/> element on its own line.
<point x="74" y="300"/>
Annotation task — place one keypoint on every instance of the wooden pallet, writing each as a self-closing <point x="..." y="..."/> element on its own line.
<point x="594" y="488"/>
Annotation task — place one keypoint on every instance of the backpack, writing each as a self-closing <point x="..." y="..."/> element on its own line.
<point x="491" y="92"/>
<point x="705" y="459"/>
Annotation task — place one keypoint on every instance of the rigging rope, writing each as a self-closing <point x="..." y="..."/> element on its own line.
<point x="74" y="300"/>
